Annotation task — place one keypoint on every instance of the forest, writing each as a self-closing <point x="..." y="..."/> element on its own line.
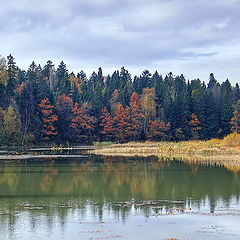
<point x="45" y="105"/>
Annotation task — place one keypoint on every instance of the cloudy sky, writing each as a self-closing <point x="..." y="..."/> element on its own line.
<point x="194" y="37"/>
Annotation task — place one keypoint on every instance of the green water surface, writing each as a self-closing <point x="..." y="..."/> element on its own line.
<point x="117" y="198"/>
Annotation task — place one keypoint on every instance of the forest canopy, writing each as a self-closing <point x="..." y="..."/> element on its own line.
<point x="50" y="104"/>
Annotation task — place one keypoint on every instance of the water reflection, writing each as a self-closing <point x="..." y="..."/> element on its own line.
<point x="53" y="193"/>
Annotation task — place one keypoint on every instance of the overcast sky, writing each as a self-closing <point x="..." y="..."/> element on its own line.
<point x="193" y="37"/>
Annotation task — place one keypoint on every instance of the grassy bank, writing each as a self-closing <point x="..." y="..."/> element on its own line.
<point x="230" y="145"/>
<point x="128" y="149"/>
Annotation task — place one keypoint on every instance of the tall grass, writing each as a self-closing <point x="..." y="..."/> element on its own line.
<point x="190" y="147"/>
<point x="231" y="140"/>
<point x="229" y="145"/>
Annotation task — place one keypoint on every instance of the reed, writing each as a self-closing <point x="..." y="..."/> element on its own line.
<point x="230" y="145"/>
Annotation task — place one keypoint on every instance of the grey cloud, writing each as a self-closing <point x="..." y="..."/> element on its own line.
<point x="128" y="32"/>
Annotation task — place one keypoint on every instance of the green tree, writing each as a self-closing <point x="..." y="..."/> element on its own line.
<point x="64" y="107"/>
<point x="12" y="70"/>
<point x="3" y="83"/>
<point x="226" y="107"/>
<point x="64" y="85"/>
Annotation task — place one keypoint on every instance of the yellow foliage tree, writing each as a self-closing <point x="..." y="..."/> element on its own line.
<point x="148" y="106"/>
<point x="12" y="126"/>
<point x="235" y="120"/>
<point x="3" y="72"/>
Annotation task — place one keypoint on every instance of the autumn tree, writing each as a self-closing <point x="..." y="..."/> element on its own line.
<point x="158" y="130"/>
<point x="12" y="126"/>
<point x="2" y="130"/>
<point x="235" y="120"/>
<point x="195" y="126"/>
<point x="107" y="124"/>
<point x="3" y="72"/>
<point x="136" y="116"/>
<point x="148" y="107"/>
<point x="49" y="118"/>
<point x="123" y="125"/>
<point x="114" y="103"/>
<point x="82" y="122"/>
<point x="78" y="87"/>
<point x="3" y="83"/>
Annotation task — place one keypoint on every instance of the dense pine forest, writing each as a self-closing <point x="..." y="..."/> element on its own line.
<point x="51" y="105"/>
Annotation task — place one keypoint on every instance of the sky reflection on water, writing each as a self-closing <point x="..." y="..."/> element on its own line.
<point x="118" y="198"/>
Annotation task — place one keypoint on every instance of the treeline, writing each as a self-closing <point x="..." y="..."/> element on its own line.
<point x="48" y="104"/>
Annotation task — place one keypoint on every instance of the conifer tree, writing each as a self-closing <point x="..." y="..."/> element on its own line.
<point x="64" y="107"/>
<point x="64" y="86"/>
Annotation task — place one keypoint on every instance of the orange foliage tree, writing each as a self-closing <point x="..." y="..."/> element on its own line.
<point x="82" y="122"/>
<point x="107" y="124"/>
<point x="158" y="130"/>
<point x="48" y="119"/>
<point x="137" y="117"/>
<point x="195" y="126"/>
<point x="123" y="125"/>
<point x="235" y="120"/>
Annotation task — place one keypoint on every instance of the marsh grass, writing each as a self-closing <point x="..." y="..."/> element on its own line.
<point x="214" y="148"/>
<point x="128" y="149"/>
<point x="193" y="147"/>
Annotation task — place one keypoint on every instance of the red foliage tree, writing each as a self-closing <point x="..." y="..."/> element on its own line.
<point x="48" y="119"/>
<point x="158" y="130"/>
<point x="107" y="124"/>
<point x="137" y="117"/>
<point x="19" y="89"/>
<point x="64" y="103"/>
<point x="82" y="122"/>
<point x="123" y="125"/>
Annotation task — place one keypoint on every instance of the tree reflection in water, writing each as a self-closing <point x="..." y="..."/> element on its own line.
<point x="113" y="187"/>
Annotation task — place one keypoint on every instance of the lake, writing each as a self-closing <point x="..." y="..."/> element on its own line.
<point x="129" y="198"/>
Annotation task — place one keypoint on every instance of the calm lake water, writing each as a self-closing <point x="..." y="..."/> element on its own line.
<point x="117" y="198"/>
